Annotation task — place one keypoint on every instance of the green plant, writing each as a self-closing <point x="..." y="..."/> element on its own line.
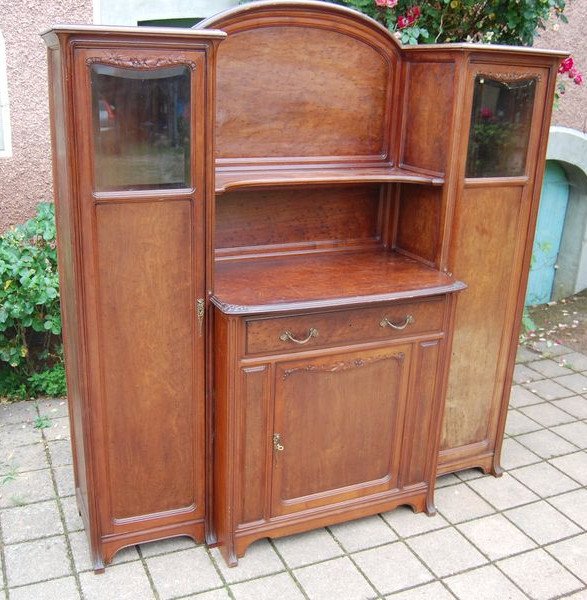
<point x="30" y="321"/>
<point x="42" y="422"/>
<point x="497" y="21"/>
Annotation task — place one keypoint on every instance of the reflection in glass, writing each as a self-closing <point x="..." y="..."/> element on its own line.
<point x="141" y="128"/>
<point x="500" y="127"/>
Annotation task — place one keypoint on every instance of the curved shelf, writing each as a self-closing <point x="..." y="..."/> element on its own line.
<point x="228" y="179"/>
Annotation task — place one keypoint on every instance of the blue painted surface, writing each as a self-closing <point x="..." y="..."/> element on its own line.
<point x="549" y="230"/>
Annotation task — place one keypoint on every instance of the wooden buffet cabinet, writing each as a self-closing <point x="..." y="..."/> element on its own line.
<point x="270" y="229"/>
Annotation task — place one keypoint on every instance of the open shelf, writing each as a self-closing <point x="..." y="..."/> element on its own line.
<point x="238" y="178"/>
<point x="316" y="281"/>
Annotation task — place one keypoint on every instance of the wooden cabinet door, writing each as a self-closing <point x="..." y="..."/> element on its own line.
<point x="338" y="427"/>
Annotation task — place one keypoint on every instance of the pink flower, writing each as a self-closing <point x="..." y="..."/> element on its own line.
<point x="566" y="65"/>
<point x="402" y="22"/>
<point x="381" y="2"/>
<point x="573" y="73"/>
<point x="578" y="78"/>
<point x="486" y="113"/>
<point x="391" y="3"/>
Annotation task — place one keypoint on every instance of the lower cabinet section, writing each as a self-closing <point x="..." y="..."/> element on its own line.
<point x="322" y="434"/>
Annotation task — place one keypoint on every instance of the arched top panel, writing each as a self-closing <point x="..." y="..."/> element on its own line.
<point x="303" y="82"/>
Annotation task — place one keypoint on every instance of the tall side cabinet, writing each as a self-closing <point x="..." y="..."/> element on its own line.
<point x="132" y="141"/>
<point x="292" y="266"/>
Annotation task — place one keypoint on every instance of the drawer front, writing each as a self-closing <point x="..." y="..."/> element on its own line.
<point x="316" y="330"/>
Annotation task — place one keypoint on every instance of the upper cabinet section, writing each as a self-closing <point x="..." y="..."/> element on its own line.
<point x="141" y="127"/>
<point x="325" y="76"/>
<point x="501" y="119"/>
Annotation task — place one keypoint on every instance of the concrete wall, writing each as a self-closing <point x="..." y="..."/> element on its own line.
<point x="572" y="109"/>
<point x="25" y="177"/>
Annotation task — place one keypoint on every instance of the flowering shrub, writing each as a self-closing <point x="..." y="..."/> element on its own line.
<point x="568" y="68"/>
<point x="497" y="21"/>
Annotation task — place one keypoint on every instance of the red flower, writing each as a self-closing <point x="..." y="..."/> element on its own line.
<point x="402" y="22"/>
<point x="573" y="73"/>
<point x="578" y="78"/>
<point x="414" y="12"/>
<point x="566" y="65"/>
<point x="486" y="113"/>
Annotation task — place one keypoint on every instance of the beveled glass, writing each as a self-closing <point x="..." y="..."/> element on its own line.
<point x="500" y="127"/>
<point x="141" y="123"/>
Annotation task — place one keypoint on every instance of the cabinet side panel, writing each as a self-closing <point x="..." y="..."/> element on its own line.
<point x="66" y="251"/>
<point x="254" y="438"/>
<point x="146" y="298"/>
<point x="424" y="393"/>
<point x="485" y="242"/>
<point x="428" y="115"/>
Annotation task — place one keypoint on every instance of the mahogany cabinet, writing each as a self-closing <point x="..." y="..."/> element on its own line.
<point x="132" y="143"/>
<point x="266" y="249"/>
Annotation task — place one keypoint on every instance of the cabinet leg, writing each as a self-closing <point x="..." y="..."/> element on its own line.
<point x="496" y="469"/>
<point x="430" y="506"/>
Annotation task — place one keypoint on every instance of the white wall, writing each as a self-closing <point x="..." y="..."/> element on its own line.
<point x="115" y="12"/>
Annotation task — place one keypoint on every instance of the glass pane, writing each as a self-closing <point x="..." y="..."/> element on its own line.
<point x="141" y="128"/>
<point x="500" y="127"/>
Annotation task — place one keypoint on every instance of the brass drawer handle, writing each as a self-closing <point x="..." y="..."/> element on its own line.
<point x="385" y="322"/>
<point x="288" y="335"/>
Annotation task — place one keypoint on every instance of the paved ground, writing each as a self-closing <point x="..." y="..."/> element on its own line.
<point x="521" y="536"/>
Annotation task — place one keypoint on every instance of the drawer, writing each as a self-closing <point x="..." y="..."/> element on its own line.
<point x="314" y="330"/>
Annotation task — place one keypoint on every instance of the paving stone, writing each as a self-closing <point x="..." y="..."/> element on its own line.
<point x="574" y="465"/>
<point x="406" y="522"/>
<point x="219" y="594"/>
<point x="53" y="407"/>
<point x="544" y="479"/>
<point x="485" y="583"/>
<point x="514" y="455"/>
<point x="582" y="595"/>
<point x="574" y="505"/>
<point x="59" y="429"/>
<point x="305" y="548"/>
<point x="550" y="349"/>
<point x="32" y="486"/>
<point x="280" y="586"/>
<point x="549" y="367"/>
<point x="446" y="480"/>
<point x="31" y="562"/>
<point x="523" y="374"/>
<point x="546" y="414"/>
<point x="392" y="568"/>
<point x="520" y="396"/>
<point x="542" y="522"/>
<point x="363" y="533"/>
<point x="575" y="405"/>
<point x="518" y="423"/>
<point x="503" y="492"/>
<point x="539" y="575"/>
<point x="165" y="546"/>
<point x="60" y="452"/>
<point x="184" y="572"/>
<point x="524" y="354"/>
<point x="576" y="361"/>
<point x="18" y="434"/>
<point x="336" y="578"/>
<point x="81" y="552"/>
<point x="459" y="503"/>
<point x="546" y="444"/>
<point x="23" y="458"/>
<point x="470" y="474"/>
<point x="65" y="481"/>
<point x="430" y="591"/>
<point x="260" y="559"/>
<point x="29" y="522"/>
<point x="55" y="589"/>
<point x="548" y="389"/>
<point x="446" y="552"/>
<point x="496" y="536"/>
<point x="73" y="520"/>
<point x="576" y="433"/>
<point x="576" y="382"/>
<point x="18" y="412"/>
<point x="572" y="553"/>
<point x="121" y="582"/>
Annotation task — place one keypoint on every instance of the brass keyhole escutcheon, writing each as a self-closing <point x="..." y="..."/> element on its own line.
<point x="277" y="445"/>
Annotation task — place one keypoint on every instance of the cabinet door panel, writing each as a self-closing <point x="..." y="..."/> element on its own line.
<point x="339" y="419"/>
<point x="146" y="351"/>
